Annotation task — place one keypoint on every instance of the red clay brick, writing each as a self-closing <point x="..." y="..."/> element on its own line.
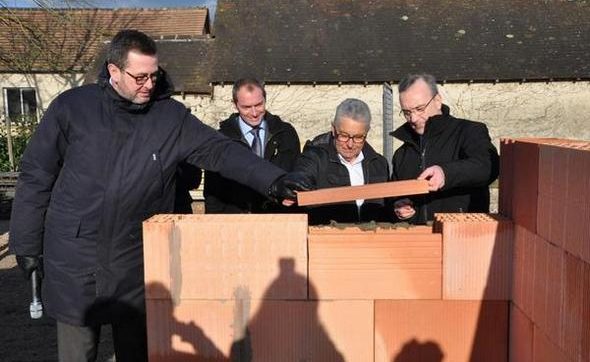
<point x="365" y="192"/>
<point x="378" y="228"/>
<point x="375" y="266"/>
<point x="477" y="256"/>
<point x="546" y="351"/>
<point x="573" y="310"/>
<point x="209" y="256"/>
<point x="548" y="289"/>
<point x="260" y="330"/>
<point x="585" y="356"/>
<point x="456" y="329"/>
<point x="577" y="233"/>
<point x="521" y="336"/>
<point x="157" y="233"/>
<point x="558" y="219"/>
<point x="577" y="229"/>
<point x="506" y="177"/>
<point x="545" y="211"/>
<point x="523" y="269"/>
<point x="545" y="214"/>
<point x="540" y="284"/>
<point x="546" y="160"/>
<point x="525" y="189"/>
<point x="561" y="165"/>
<point x="578" y="175"/>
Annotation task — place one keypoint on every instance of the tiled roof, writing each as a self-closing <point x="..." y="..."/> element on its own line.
<point x="186" y="63"/>
<point x="69" y="40"/>
<point x="382" y="40"/>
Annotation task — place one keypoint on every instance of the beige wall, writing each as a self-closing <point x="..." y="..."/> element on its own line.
<point x="556" y="109"/>
<point x="48" y="86"/>
<point x="310" y="109"/>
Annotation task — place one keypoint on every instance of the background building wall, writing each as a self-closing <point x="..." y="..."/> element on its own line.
<point x="555" y="109"/>
<point x="47" y="86"/>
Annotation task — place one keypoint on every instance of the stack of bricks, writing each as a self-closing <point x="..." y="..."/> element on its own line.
<point x="267" y="287"/>
<point x="545" y="189"/>
<point x="221" y="287"/>
<point x="474" y="287"/>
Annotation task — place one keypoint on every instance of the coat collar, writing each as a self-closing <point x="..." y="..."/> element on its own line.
<point x="434" y="126"/>
<point x="231" y="126"/>
<point x="164" y="89"/>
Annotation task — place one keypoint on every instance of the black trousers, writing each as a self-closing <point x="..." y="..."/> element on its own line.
<point x="80" y="343"/>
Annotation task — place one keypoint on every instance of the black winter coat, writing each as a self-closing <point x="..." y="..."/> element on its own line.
<point x="224" y="196"/>
<point x="96" y="167"/>
<point x="319" y="162"/>
<point x="463" y="150"/>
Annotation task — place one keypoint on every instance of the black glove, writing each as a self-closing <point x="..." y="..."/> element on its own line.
<point x="28" y="264"/>
<point x="285" y="186"/>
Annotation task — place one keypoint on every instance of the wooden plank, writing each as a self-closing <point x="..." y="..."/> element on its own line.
<point x="363" y="192"/>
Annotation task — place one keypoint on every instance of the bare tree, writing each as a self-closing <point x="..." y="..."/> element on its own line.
<point x="62" y="38"/>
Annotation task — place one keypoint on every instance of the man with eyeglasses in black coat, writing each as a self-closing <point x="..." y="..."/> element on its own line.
<point x="343" y="157"/>
<point x="455" y="156"/>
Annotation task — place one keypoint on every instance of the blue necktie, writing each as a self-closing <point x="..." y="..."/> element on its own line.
<point x="256" y="143"/>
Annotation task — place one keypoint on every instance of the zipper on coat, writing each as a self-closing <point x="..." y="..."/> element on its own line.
<point x="422" y="168"/>
<point x="366" y="177"/>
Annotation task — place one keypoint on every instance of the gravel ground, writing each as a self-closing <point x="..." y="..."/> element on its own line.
<point x="21" y="338"/>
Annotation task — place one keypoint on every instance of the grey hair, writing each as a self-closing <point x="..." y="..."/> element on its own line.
<point x="355" y="109"/>
<point x="410" y="79"/>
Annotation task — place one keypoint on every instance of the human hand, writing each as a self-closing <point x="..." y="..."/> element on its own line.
<point x="28" y="264"/>
<point x="435" y="177"/>
<point x="285" y="188"/>
<point x="404" y="209"/>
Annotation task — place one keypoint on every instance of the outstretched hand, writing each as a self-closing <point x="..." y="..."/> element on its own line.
<point x="284" y="189"/>
<point x="435" y="177"/>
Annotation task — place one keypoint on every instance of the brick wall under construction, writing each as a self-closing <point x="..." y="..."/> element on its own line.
<point x="473" y="287"/>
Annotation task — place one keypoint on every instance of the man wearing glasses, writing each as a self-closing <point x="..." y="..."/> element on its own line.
<point x="261" y="132"/>
<point x="102" y="160"/>
<point x="456" y="156"/>
<point x="343" y="157"/>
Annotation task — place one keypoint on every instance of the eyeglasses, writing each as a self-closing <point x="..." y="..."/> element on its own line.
<point x="407" y="113"/>
<point x="343" y="137"/>
<point x="142" y="79"/>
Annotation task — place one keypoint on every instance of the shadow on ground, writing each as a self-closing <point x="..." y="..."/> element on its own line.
<point x="22" y="338"/>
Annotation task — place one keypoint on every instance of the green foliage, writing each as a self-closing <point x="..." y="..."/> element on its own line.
<point x="21" y="133"/>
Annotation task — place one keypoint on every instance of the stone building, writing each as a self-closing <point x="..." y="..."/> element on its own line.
<point x="521" y="67"/>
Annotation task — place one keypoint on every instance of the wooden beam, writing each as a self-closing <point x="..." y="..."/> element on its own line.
<point x="364" y="192"/>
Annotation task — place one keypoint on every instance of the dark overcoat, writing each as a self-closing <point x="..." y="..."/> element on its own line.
<point x="224" y="196"/>
<point x="96" y="167"/>
<point x="463" y="149"/>
<point x="320" y="164"/>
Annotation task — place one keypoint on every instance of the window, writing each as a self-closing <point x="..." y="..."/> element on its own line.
<point x="20" y="104"/>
